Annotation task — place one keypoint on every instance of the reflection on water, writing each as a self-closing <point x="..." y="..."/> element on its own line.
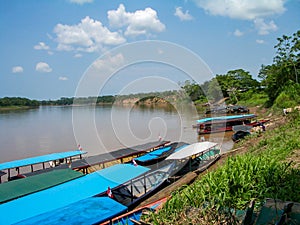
<point x="98" y="129"/>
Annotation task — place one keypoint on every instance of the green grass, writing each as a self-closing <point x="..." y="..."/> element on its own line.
<point x="261" y="173"/>
<point x="252" y="98"/>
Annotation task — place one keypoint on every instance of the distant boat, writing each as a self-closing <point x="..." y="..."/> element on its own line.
<point x="223" y="123"/>
<point x="227" y="109"/>
<point x="237" y="136"/>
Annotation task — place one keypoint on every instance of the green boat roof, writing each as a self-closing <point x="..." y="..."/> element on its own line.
<point x="18" y="188"/>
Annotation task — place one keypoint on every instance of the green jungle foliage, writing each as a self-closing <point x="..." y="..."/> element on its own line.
<point x="17" y="101"/>
<point x="285" y="69"/>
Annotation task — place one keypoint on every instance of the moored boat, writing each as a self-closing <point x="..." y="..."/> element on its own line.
<point x="159" y="154"/>
<point x="223" y="123"/>
<point x="64" y="197"/>
<point x="195" y="157"/>
<point x="39" y="164"/>
<point x="123" y="155"/>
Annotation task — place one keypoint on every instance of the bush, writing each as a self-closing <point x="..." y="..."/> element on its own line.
<point x="289" y="97"/>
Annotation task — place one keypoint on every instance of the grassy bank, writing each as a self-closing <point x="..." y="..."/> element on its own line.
<point x="15" y="108"/>
<point x="266" y="170"/>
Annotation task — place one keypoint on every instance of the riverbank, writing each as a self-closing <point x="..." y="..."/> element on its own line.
<point x="263" y="165"/>
<point x="16" y="108"/>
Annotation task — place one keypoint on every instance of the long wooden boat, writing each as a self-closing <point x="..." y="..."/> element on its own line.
<point x="38" y="163"/>
<point x="22" y="168"/>
<point x="122" y="155"/>
<point x="126" y="190"/>
<point x="195" y="157"/>
<point x="137" y="189"/>
<point x="159" y="154"/>
<point x="227" y="109"/>
<point x="223" y="123"/>
<point x="189" y="160"/>
<point x="75" y="200"/>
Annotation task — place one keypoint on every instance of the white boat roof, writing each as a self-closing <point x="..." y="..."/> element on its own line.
<point x="192" y="149"/>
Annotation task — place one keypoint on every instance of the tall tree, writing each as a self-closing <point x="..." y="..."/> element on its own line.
<point x="193" y="90"/>
<point x="285" y="67"/>
<point x="287" y="55"/>
<point x="236" y="81"/>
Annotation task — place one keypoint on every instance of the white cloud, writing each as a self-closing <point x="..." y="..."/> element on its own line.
<point x="89" y="35"/>
<point x="260" y="41"/>
<point x="181" y="15"/>
<point x="63" y="78"/>
<point x="43" y="67"/>
<point x="238" y="33"/>
<point x="110" y="63"/>
<point x="242" y="9"/>
<point x="140" y="22"/>
<point x="17" y="69"/>
<point x="41" y="46"/>
<point x="78" y="55"/>
<point x="81" y="2"/>
<point x="264" y="28"/>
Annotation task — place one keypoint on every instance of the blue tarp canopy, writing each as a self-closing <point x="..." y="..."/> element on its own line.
<point x="220" y="118"/>
<point x="40" y="159"/>
<point x="88" y="211"/>
<point x="68" y="193"/>
<point x="154" y="154"/>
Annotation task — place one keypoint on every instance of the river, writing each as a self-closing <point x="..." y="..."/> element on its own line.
<point x="97" y="129"/>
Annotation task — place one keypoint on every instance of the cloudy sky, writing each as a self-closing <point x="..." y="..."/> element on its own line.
<point x="48" y="46"/>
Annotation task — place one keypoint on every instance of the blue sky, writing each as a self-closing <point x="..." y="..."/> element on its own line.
<point x="48" y="46"/>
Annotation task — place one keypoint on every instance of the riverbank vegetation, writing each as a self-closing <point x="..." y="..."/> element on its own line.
<point x="265" y="170"/>
<point x="265" y="165"/>
<point x="17" y="103"/>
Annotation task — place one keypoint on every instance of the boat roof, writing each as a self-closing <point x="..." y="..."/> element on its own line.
<point x="18" y="188"/>
<point x="69" y="192"/>
<point x="118" y="154"/>
<point x="192" y="149"/>
<point x="154" y="154"/>
<point x="226" y="118"/>
<point x="85" y="212"/>
<point x="39" y="159"/>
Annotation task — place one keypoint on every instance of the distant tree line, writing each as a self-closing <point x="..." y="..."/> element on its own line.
<point x="17" y="101"/>
<point x="231" y="84"/>
<point x="108" y="99"/>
